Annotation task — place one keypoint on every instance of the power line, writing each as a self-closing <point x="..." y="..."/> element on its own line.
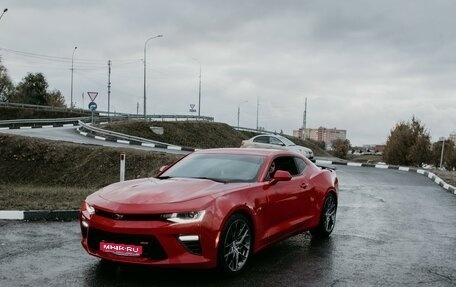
<point x="62" y="59"/>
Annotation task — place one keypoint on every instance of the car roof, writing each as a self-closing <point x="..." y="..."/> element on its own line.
<point x="247" y="151"/>
<point x="274" y="135"/>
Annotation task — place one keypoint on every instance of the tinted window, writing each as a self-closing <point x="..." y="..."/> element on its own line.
<point x="285" y="140"/>
<point x="275" y="141"/>
<point x="300" y="164"/>
<point x="261" y="139"/>
<point x="286" y="163"/>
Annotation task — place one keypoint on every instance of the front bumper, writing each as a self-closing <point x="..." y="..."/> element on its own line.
<point x="164" y="244"/>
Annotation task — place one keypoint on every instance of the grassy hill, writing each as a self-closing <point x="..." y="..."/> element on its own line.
<point x="13" y="113"/>
<point x="44" y="174"/>
<point x="196" y="134"/>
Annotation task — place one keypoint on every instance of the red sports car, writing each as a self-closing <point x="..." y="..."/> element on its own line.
<point x="212" y="208"/>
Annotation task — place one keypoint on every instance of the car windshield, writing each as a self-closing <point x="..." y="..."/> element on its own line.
<point x="217" y="167"/>
<point x="286" y="141"/>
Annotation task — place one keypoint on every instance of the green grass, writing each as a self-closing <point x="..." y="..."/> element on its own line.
<point x="31" y="197"/>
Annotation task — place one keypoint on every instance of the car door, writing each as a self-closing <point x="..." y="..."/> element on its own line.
<point x="261" y="142"/>
<point x="287" y="201"/>
<point x="276" y="143"/>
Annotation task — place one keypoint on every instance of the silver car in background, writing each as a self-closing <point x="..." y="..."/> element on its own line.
<point x="276" y="142"/>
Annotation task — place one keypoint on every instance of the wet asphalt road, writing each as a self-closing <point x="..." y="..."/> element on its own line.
<point x="393" y="228"/>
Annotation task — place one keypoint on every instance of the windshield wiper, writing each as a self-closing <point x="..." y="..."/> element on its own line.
<point x="164" y="177"/>
<point x="213" y="179"/>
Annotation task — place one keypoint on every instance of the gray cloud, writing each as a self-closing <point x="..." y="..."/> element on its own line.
<point x="363" y="65"/>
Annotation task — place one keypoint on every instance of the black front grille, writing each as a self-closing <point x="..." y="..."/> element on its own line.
<point x="132" y="217"/>
<point x="152" y="249"/>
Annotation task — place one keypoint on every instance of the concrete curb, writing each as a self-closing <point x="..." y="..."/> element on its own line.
<point x="426" y="173"/>
<point x="36" y="215"/>
<point x="39" y="126"/>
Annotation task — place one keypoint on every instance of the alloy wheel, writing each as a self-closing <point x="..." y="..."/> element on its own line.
<point x="236" y="244"/>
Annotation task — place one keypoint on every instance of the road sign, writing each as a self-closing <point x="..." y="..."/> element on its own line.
<point x="92" y="106"/>
<point x="192" y="108"/>
<point x="92" y="95"/>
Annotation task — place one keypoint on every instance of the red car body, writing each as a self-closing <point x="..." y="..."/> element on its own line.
<point x="179" y="221"/>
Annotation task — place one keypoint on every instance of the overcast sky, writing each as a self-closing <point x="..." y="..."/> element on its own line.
<point x="362" y="65"/>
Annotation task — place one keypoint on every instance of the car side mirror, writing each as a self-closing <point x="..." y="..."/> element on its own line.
<point x="280" y="175"/>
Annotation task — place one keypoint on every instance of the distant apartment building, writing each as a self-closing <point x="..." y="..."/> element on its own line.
<point x="321" y="134"/>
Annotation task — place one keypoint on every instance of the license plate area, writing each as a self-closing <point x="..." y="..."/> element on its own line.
<point x="121" y="249"/>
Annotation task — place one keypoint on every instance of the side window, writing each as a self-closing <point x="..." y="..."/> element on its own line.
<point x="286" y="163"/>
<point x="262" y="139"/>
<point x="275" y="141"/>
<point x="300" y="164"/>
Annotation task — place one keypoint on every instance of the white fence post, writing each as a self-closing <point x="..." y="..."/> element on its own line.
<point x="122" y="166"/>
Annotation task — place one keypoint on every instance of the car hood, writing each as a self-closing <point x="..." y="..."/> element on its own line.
<point x="151" y="193"/>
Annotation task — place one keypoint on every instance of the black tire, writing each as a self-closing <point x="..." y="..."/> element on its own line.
<point x="327" y="218"/>
<point x="235" y="245"/>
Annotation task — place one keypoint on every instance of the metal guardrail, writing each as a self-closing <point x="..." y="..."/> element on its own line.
<point x="119" y="135"/>
<point x="112" y="115"/>
<point x="43" y="121"/>
<point x="37" y="107"/>
<point x="160" y="117"/>
<point x="254" y="130"/>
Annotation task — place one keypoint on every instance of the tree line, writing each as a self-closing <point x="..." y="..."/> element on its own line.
<point x="33" y="89"/>
<point x="409" y="144"/>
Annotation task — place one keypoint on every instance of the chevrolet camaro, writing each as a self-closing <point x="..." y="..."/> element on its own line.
<point x="212" y="208"/>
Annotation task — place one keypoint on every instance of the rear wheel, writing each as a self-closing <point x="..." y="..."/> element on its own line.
<point x="235" y="245"/>
<point x="327" y="218"/>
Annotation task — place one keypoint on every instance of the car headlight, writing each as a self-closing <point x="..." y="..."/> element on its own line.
<point x="184" y="217"/>
<point x="90" y="209"/>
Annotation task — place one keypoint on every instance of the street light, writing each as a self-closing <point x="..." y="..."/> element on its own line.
<point x="145" y="46"/>
<point x="72" y="69"/>
<point x="199" y="90"/>
<point x="441" y="156"/>
<point x="4" y="11"/>
<point x="239" y="111"/>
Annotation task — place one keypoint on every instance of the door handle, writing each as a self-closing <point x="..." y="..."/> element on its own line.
<point x="303" y="185"/>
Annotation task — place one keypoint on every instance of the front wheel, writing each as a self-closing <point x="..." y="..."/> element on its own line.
<point x="235" y="244"/>
<point x="327" y="219"/>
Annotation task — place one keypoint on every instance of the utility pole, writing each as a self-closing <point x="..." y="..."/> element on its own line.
<point x="199" y="96"/>
<point x="145" y="69"/>
<point x="258" y="108"/>
<point x="109" y="89"/>
<point x="441" y="156"/>
<point x="72" y="71"/>
<point x="304" y="121"/>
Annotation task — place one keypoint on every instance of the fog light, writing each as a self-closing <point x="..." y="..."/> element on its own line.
<point x="191" y="243"/>
<point x="189" y="238"/>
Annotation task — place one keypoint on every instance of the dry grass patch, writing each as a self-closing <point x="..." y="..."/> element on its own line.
<point x="29" y="197"/>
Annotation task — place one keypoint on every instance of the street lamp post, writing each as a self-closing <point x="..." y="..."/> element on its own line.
<point x="72" y="69"/>
<point x="441" y="156"/>
<point x="4" y="11"/>
<point x="199" y="90"/>
<point x="239" y="112"/>
<point x="199" y="95"/>
<point x="145" y="46"/>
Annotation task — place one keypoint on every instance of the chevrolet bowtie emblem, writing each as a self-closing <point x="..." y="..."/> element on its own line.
<point x="118" y="216"/>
